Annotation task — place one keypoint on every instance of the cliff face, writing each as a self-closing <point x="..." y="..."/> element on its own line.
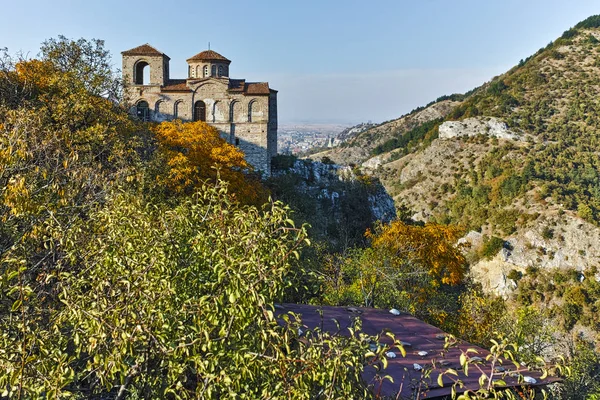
<point x="339" y="204"/>
<point x="331" y="182"/>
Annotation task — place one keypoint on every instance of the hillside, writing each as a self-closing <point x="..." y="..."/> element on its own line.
<point x="359" y="148"/>
<point x="517" y="159"/>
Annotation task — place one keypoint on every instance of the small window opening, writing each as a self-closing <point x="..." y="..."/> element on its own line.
<point x="214" y="111"/>
<point x="231" y="111"/>
<point x="250" y="111"/>
<point x="142" y="73"/>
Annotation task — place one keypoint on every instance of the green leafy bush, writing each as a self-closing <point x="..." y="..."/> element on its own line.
<point x="491" y="247"/>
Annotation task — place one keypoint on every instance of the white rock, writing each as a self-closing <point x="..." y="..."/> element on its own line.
<point x="390" y="354"/>
<point x="476" y="126"/>
<point x="417" y="367"/>
<point x="394" y="311"/>
<point x="529" y="379"/>
<point x="422" y="353"/>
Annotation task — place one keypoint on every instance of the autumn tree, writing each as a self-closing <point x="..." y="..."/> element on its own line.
<point x="432" y="246"/>
<point x="410" y="267"/>
<point x="194" y="152"/>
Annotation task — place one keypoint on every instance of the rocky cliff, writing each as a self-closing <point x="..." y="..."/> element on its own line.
<point x="337" y="201"/>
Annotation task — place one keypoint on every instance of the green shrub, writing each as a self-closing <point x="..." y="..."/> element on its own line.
<point x="491" y="247"/>
<point x="283" y="162"/>
<point x="547" y="233"/>
<point x="515" y="275"/>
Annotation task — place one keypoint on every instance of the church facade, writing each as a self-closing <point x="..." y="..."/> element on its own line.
<point x="245" y="113"/>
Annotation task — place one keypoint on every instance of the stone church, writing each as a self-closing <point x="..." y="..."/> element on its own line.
<point x="244" y="112"/>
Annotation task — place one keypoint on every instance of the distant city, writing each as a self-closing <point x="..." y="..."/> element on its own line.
<point x="299" y="138"/>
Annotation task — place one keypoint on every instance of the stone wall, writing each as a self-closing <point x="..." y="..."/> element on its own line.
<point x="159" y="69"/>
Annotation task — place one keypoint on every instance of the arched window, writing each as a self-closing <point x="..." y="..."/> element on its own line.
<point x="213" y="70"/>
<point x="157" y="106"/>
<point x="220" y="70"/>
<point x="199" y="111"/>
<point x="143" y="110"/>
<point x="206" y="71"/>
<point x="197" y="71"/>
<point x="232" y="111"/>
<point x="250" y="105"/>
<point x="142" y="73"/>
<point x="176" y="109"/>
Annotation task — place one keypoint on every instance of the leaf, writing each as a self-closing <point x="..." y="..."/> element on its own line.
<point x="16" y="305"/>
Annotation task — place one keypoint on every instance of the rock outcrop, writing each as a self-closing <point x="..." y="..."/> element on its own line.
<point x="557" y="241"/>
<point x="331" y="182"/>
<point x="477" y="126"/>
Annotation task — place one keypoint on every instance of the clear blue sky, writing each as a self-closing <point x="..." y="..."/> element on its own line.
<point x="331" y="60"/>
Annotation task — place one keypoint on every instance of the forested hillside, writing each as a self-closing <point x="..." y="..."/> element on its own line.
<point x="541" y="174"/>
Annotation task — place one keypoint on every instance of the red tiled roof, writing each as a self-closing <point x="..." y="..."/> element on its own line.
<point x="249" y="88"/>
<point x="419" y="337"/>
<point x="143" y="50"/>
<point x="257" y="88"/>
<point x="176" y="85"/>
<point x="237" y="85"/>
<point x="208" y="55"/>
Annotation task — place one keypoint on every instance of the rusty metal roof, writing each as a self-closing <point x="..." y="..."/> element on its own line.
<point x="421" y="337"/>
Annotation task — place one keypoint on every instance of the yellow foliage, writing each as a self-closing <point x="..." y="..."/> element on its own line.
<point x="195" y="153"/>
<point x="432" y="246"/>
<point x="17" y="197"/>
<point x="479" y="317"/>
<point x="36" y="73"/>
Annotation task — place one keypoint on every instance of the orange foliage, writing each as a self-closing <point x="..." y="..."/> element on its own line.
<point x="35" y="73"/>
<point x="432" y="246"/>
<point x="195" y="153"/>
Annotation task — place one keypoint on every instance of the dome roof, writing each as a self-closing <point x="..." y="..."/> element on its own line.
<point x="208" y="55"/>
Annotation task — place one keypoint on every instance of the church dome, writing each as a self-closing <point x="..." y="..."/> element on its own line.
<point x="209" y="55"/>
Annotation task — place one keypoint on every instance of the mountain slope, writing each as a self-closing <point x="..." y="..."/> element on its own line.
<point x="360" y="147"/>
<point x="522" y="162"/>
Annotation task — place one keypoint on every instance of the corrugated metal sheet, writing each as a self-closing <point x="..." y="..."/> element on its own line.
<point x="421" y="337"/>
